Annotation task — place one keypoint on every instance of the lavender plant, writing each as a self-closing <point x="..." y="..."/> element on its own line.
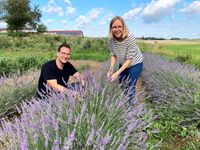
<point x="168" y="82"/>
<point x="174" y="91"/>
<point x="15" y="89"/>
<point x="100" y="119"/>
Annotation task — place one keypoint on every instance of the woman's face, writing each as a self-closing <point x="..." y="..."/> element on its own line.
<point x="117" y="29"/>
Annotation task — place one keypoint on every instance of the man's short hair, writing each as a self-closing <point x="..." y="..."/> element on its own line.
<point x="63" y="45"/>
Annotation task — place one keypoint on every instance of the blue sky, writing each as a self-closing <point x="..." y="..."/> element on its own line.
<point x="159" y="18"/>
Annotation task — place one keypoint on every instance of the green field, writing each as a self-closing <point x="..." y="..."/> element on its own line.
<point x="186" y="51"/>
<point x="31" y="51"/>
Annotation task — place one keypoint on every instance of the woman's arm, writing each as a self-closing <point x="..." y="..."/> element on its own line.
<point x="113" y="61"/>
<point x="115" y="75"/>
<point x="112" y="64"/>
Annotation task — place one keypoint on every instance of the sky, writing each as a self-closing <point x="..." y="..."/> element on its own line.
<point x="148" y="18"/>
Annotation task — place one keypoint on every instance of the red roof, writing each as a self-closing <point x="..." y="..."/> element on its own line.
<point x="66" y="32"/>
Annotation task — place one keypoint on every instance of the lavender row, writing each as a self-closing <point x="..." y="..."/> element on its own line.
<point x="171" y="84"/>
<point x="99" y="119"/>
<point x="15" y="89"/>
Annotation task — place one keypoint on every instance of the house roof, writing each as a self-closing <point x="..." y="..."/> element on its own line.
<point x="65" y="31"/>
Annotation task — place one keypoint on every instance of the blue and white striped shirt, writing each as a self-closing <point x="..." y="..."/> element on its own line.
<point x="126" y="49"/>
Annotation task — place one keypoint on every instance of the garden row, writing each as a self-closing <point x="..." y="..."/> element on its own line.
<point x="174" y="91"/>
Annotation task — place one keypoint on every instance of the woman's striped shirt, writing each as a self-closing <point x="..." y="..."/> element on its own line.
<point x="126" y="49"/>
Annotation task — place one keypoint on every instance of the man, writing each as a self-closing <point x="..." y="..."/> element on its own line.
<point x="56" y="73"/>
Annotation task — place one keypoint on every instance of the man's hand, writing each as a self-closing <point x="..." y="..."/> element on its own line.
<point x="80" y="78"/>
<point x="83" y="82"/>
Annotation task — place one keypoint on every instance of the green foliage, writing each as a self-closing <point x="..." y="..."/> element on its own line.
<point x="19" y="65"/>
<point x="20" y="53"/>
<point x="5" y="42"/>
<point x="19" y="14"/>
<point x="41" y="28"/>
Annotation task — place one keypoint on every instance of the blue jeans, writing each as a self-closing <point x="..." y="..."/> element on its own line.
<point x="128" y="78"/>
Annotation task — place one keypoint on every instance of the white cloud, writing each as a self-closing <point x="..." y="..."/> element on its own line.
<point x="71" y="10"/>
<point x="49" y="21"/>
<point x="51" y="1"/>
<point x="58" y="10"/>
<point x="94" y="13"/>
<point x="158" y="9"/>
<point x="131" y="13"/>
<point x="91" y="15"/>
<point x="64" y="23"/>
<point x="3" y="24"/>
<point x="106" y="18"/>
<point x="68" y="2"/>
<point x="53" y="8"/>
<point x="192" y="9"/>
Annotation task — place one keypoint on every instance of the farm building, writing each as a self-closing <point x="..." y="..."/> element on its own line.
<point x="3" y="30"/>
<point x="66" y="32"/>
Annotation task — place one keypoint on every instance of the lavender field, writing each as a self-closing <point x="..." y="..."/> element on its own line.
<point x="100" y="119"/>
<point x="166" y="116"/>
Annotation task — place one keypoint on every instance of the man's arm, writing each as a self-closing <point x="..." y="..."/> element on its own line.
<point x="55" y="86"/>
<point x="79" y="78"/>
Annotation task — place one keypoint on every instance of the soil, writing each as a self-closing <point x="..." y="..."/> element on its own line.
<point x="93" y="65"/>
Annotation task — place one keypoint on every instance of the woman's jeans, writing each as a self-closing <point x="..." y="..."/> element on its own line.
<point x="128" y="78"/>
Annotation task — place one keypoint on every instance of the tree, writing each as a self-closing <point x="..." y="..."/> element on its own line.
<point x="18" y="13"/>
<point x="41" y="28"/>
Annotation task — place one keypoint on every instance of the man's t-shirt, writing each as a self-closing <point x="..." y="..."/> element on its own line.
<point x="50" y="71"/>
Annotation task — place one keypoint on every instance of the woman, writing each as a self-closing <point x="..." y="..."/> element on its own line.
<point x="123" y="48"/>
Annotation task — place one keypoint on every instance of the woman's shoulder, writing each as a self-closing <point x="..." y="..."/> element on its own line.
<point x="130" y="35"/>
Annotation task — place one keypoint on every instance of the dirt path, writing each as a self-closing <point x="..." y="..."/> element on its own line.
<point x="93" y="65"/>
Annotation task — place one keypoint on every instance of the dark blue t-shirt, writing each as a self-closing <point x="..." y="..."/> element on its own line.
<point x="50" y="71"/>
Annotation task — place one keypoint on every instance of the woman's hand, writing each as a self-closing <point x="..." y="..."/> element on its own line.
<point x="110" y="72"/>
<point x="114" y="76"/>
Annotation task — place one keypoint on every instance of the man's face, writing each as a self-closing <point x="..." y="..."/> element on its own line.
<point x="63" y="55"/>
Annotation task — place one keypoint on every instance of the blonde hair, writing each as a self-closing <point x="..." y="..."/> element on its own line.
<point x="125" y="29"/>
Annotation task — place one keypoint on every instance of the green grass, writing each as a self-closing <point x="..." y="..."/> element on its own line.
<point x="183" y="51"/>
<point x="35" y="49"/>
